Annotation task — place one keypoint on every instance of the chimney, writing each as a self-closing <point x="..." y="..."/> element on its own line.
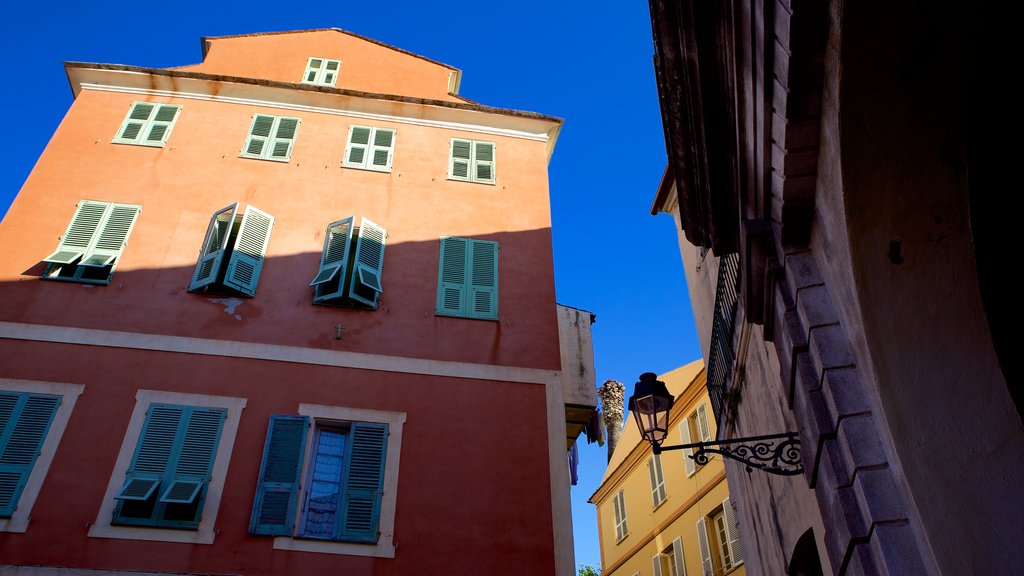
<point x="612" y="393"/>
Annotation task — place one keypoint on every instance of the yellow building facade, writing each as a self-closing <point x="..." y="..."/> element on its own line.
<point x="663" y="515"/>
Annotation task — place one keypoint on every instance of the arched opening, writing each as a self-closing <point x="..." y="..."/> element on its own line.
<point x="805" y="560"/>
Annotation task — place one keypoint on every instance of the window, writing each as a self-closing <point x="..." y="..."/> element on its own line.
<point x="670" y="561"/>
<point x="369" y="148"/>
<point x="33" y="416"/>
<point x="350" y="275"/>
<point x="328" y="481"/>
<point x="471" y="161"/>
<point x="232" y="253"/>
<point x="321" y="72"/>
<point x="467" y="284"/>
<point x="657" y="480"/>
<point x="147" y="124"/>
<point x="167" y="482"/>
<point x="619" y="508"/>
<point x="168" y="478"/>
<point x="694" y="428"/>
<point x="271" y="138"/>
<point x="90" y="247"/>
<point x="720" y="545"/>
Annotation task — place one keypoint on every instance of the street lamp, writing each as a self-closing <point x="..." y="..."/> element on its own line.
<point x="651" y="403"/>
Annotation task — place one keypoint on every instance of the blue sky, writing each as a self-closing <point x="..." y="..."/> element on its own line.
<point x="589" y="63"/>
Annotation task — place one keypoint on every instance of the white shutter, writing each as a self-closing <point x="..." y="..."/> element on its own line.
<point x="80" y="232"/>
<point x="705" y="548"/>
<point x="733" y="533"/>
<point x="250" y="247"/>
<point x="688" y="463"/>
<point x="369" y="263"/>
<point x="656" y="564"/>
<point x="679" y="569"/>
<point x="214" y="244"/>
<point x="702" y="424"/>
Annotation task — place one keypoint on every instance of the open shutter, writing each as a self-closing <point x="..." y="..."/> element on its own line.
<point x="113" y="236"/>
<point x="383" y="147"/>
<point x="654" y="480"/>
<point x="250" y="247"/>
<point x="483" y="162"/>
<point x="157" y="444"/>
<point x="284" y="138"/>
<point x="656" y="564"/>
<point x="358" y="146"/>
<point x="702" y="424"/>
<point x="79" y="236"/>
<point x="132" y="128"/>
<point x="369" y="263"/>
<point x="333" y="261"/>
<point x="214" y="245"/>
<point x="679" y="567"/>
<point x="483" y="288"/>
<point x="684" y="433"/>
<point x="364" y="483"/>
<point x="194" y="463"/>
<point x="24" y="421"/>
<point x="160" y="126"/>
<point x="278" y="486"/>
<point x="733" y="533"/>
<point x="460" y="161"/>
<point x="705" y="548"/>
<point x="451" y="277"/>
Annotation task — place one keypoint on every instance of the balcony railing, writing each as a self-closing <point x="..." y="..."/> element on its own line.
<point x="723" y="328"/>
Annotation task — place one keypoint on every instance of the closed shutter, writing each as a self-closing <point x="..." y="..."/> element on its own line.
<point x="705" y="548"/>
<point x="461" y="154"/>
<point x="250" y="247"/>
<point x="330" y="72"/>
<point x="24" y="421"/>
<point x="214" y="245"/>
<point x="358" y="146"/>
<point x="277" y="488"/>
<point x="688" y="463"/>
<point x="333" y="261"/>
<point x="133" y="126"/>
<point x="79" y="235"/>
<point x="451" y="278"/>
<point x="147" y="124"/>
<point x="656" y="564"/>
<point x="483" y="287"/>
<point x="157" y="444"/>
<point x="369" y="263"/>
<point x="733" y="532"/>
<point x="113" y="236"/>
<point x="679" y="563"/>
<point x="259" y="136"/>
<point x="312" y="70"/>
<point x="194" y="462"/>
<point x="654" y="480"/>
<point x="160" y="126"/>
<point x="483" y="162"/>
<point x="364" y="483"/>
<point x="284" y="138"/>
<point x="383" y="149"/>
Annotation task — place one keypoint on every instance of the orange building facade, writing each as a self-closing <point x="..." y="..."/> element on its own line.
<point x="274" y="313"/>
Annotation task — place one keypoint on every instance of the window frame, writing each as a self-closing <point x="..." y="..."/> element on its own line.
<point x="384" y="548"/>
<point x="20" y="518"/>
<point x="370" y="148"/>
<point x="619" y="515"/>
<point x="473" y="164"/>
<point x="147" y="124"/>
<point x="657" y="477"/>
<point x="103" y="527"/>
<point x="320" y="72"/>
<point x="270" y="141"/>
<point x="93" y="243"/>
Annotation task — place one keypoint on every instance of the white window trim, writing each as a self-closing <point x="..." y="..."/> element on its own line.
<point x="621" y="527"/>
<point x="204" y="534"/>
<point x="367" y="163"/>
<point x="385" y="547"/>
<point x="19" y="520"/>
<point x="318" y="81"/>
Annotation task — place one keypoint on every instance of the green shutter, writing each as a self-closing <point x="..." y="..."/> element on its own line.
<point x="358" y="146"/>
<point x="366" y="286"/>
<point x="330" y="278"/>
<point x="460" y="160"/>
<point x="370" y="148"/>
<point x="451" y="277"/>
<point x="134" y="124"/>
<point x="215" y="243"/>
<point x="277" y="489"/>
<point x="147" y="124"/>
<point x="113" y="235"/>
<point x="161" y="124"/>
<point x="250" y="247"/>
<point x="259" y="136"/>
<point x="364" y="483"/>
<point x="24" y="421"/>
<point x="383" y="148"/>
<point x="483" y="162"/>
<point x="194" y="464"/>
<point x="79" y="235"/>
<point x="483" y="280"/>
<point x="284" y="139"/>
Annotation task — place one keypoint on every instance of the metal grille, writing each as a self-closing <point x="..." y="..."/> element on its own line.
<point x="724" y="326"/>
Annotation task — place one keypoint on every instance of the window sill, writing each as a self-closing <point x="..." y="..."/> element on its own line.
<point x="659" y="504"/>
<point x="488" y="182"/>
<point x="367" y="168"/>
<point x="144" y="144"/>
<point x="278" y="160"/>
<point x="447" y="315"/>
<point x="620" y="540"/>
<point x="383" y="548"/>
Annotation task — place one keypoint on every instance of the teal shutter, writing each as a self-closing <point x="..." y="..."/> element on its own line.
<point x="194" y="463"/>
<point x="284" y="138"/>
<point x="214" y="245"/>
<point x="278" y="485"/>
<point x="78" y="237"/>
<point x="483" y="162"/>
<point x="113" y="235"/>
<point x="483" y="287"/>
<point x="250" y="247"/>
<point x="366" y="286"/>
<point x="330" y="278"/>
<point x="358" y="147"/>
<point x="24" y="421"/>
<point x="364" y="483"/>
<point x="451" y="276"/>
<point x="461" y="153"/>
<point x="157" y="443"/>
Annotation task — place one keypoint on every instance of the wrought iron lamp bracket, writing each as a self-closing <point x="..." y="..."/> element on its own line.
<point x="777" y="454"/>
